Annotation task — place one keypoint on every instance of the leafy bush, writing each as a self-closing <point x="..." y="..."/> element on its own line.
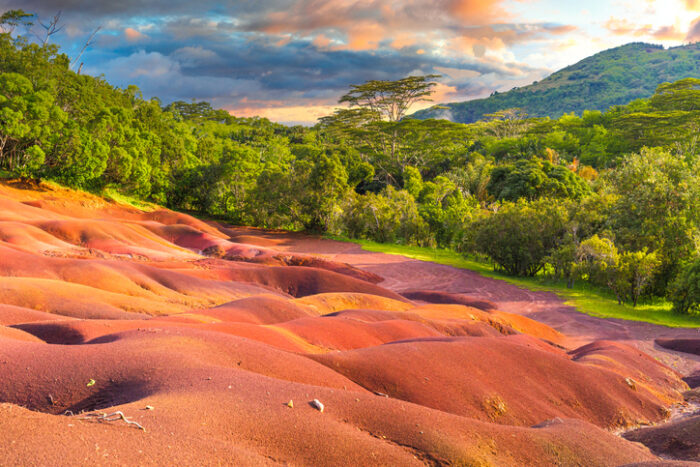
<point x="532" y="179"/>
<point x="391" y="216"/>
<point x="684" y="291"/>
<point x="519" y="236"/>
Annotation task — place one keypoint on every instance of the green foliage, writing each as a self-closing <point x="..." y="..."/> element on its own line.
<point x="684" y="291"/>
<point x="473" y="178"/>
<point x="626" y="274"/>
<point x="636" y="271"/>
<point x="391" y="99"/>
<point x="412" y="181"/>
<point x="597" y="259"/>
<point x="532" y="179"/>
<point x="390" y="216"/>
<point x="657" y="206"/>
<point x="519" y="236"/>
<point x="10" y="19"/>
<point x="29" y="119"/>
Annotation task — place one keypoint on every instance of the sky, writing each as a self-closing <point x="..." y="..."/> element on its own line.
<point x="291" y="60"/>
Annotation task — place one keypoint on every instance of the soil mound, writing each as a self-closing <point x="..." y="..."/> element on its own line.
<point x="253" y="240"/>
<point x="10" y="315"/>
<point x="263" y="309"/>
<point x="678" y="440"/>
<point x="432" y="296"/>
<point x="681" y="345"/>
<point x="237" y="391"/>
<point x="216" y="341"/>
<point x="470" y="377"/>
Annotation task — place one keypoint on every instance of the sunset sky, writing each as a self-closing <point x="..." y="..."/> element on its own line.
<point x="290" y="60"/>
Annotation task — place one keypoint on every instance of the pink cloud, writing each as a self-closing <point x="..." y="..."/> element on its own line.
<point x="623" y="27"/>
<point x="364" y="24"/>
<point x="132" y="35"/>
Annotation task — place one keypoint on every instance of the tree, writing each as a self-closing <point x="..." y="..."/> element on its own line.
<point x="391" y="99"/>
<point x="657" y="206"/>
<point x="597" y="260"/>
<point x="390" y="216"/>
<point x="11" y="19"/>
<point x="29" y="122"/>
<point x="507" y="123"/>
<point x="626" y="274"/>
<point x="563" y="260"/>
<point x="683" y="94"/>
<point x="412" y="181"/>
<point x="636" y="269"/>
<point x="669" y="118"/>
<point x="392" y="146"/>
<point x="473" y="178"/>
<point x="519" y="236"/>
<point x="684" y="291"/>
<point x="531" y="179"/>
<point x="320" y="190"/>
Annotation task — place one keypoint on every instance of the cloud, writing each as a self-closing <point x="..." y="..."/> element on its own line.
<point x="133" y="35"/>
<point x="692" y="5"/>
<point x="694" y="31"/>
<point x="623" y="27"/>
<point x="265" y="56"/>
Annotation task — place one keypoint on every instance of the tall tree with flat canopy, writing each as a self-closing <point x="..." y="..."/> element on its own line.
<point x="11" y="19"/>
<point x="391" y="99"/>
<point x="375" y="116"/>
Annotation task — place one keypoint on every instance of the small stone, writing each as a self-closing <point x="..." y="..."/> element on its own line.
<point x="317" y="405"/>
<point x="290" y="404"/>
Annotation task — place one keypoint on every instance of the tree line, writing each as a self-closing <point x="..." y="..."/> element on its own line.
<point x="610" y="197"/>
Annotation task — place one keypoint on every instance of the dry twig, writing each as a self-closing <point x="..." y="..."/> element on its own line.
<point x="112" y="417"/>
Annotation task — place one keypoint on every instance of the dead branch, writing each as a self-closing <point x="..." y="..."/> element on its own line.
<point x="112" y="417"/>
<point x="87" y="44"/>
<point x="51" y="28"/>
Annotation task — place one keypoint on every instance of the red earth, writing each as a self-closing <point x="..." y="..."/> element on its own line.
<point x="214" y="342"/>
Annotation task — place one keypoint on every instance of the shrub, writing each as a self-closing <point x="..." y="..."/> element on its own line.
<point x="684" y="291"/>
<point x="519" y="236"/>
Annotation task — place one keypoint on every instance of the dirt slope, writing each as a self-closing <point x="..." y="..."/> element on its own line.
<point x="217" y="340"/>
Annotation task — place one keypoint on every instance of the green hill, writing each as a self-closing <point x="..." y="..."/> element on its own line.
<point x="612" y="77"/>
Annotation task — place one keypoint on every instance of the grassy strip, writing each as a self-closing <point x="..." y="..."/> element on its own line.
<point x="111" y="194"/>
<point x="585" y="298"/>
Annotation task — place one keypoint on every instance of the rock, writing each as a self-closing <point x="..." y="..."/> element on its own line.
<point x="317" y="405"/>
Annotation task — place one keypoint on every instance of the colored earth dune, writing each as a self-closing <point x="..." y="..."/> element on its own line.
<point x="213" y="341"/>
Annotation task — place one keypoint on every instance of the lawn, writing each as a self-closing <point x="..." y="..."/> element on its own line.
<point x="585" y="298"/>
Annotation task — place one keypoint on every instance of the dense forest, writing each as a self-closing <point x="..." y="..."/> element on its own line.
<point x="610" y="197"/>
<point x="612" y="77"/>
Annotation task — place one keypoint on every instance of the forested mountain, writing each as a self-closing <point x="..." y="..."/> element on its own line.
<point x="612" y="77"/>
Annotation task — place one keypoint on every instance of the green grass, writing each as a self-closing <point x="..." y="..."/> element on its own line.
<point x="114" y="195"/>
<point x="585" y="298"/>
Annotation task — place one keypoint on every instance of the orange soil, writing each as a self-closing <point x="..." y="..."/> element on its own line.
<point x="107" y="308"/>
